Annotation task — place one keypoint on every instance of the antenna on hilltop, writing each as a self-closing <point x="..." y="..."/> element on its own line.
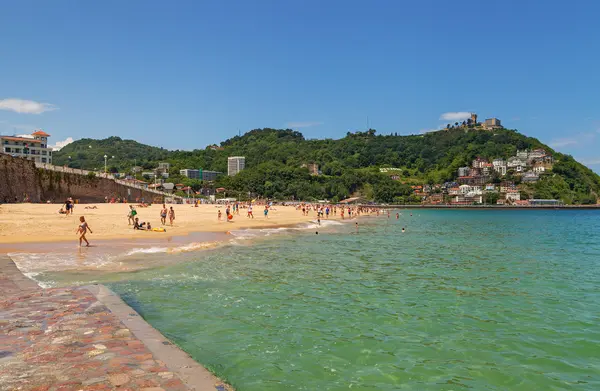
<point x="239" y="133"/>
<point x="368" y="123"/>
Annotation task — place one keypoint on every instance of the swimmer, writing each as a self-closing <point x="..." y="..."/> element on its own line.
<point x="397" y="216"/>
<point x="403" y="230"/>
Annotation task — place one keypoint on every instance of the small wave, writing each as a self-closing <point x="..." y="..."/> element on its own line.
<point x="147" y="250"/>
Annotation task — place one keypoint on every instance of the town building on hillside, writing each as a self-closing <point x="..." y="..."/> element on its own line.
<point x="479" y="163"/>
<point x="209" y="176"/>
<point x="492" y="123"/>
<point x="34" y="147"/>
<point x="499" y="166"/>
<point x="490" y="187"/>
<point x="463" y="171"/>
<point x="536" y="154"/>
<point x="190" y="173"/>
<point x="515" y="163"/>
<point x="235" y="164"/>
<point x="523" y="155"/>
<point x="164" y="167"/>
<point x="530" y="176"/>
<point x="473" y="118"/>
<point x="507" y="186"/>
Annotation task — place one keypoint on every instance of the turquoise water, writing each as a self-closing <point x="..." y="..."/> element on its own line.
<point x="482" y="300"/>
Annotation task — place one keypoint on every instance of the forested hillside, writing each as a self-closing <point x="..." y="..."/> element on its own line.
<point x="274" y="160"/>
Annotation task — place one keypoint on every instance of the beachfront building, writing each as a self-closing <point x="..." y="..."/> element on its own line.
<point x="541" y="202"/>
<point x="33" y="147"/>
<point x="512" y="195"/>
<point x="235" y="164"/>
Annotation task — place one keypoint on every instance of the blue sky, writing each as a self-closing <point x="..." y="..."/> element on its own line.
<point x="185" y="74"/>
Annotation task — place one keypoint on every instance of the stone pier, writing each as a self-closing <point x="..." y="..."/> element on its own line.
<point x="85" y="338"/>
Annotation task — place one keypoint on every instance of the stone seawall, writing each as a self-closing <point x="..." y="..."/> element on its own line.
<point x="20" y="179"/>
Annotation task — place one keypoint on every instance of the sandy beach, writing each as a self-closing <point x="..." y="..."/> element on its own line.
<point x="39" y="223"/>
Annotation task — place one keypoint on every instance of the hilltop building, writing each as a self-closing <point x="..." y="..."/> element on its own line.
<point x="33" y="148"/>
<point x="492" y="123"/>
<point x="235" y="164"/>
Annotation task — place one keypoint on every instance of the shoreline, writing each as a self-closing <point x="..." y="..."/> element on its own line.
<point x="491" y="207"/>
<point x="40" y="223"/>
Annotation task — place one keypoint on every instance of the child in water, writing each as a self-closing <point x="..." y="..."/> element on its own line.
<point x="82" y="230"/>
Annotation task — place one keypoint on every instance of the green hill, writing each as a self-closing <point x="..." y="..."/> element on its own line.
<point x="350" y="165"/>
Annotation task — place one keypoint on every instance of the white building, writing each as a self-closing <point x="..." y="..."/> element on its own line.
<point x="513" y="195"/>
<point x="33" y="148"/>
<point x="517" y="164"/>
<point x="499" y="166"/>
<point x="464" y="171"/>
<point x="235" y="164"/>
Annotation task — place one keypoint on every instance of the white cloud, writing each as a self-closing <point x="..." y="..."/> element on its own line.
<point x="61" y="144"/>
<point x="306" y="124"/>
<point x="563" y="142"/>
<point x="23" y="106"/>
<point x="455" y="116"/>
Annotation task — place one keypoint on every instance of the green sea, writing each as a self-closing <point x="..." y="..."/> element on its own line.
<point x="464" y="299"/>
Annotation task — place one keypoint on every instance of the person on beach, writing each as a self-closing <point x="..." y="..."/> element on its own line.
<point x="171" y="215"/>
<point x="138" y="225"/>
<point x="82" y="230"/>
<point x="266" y="212"/>
<point x="68" y="206"/>
<point x="250" y="211"/>
<point x="219" y="215"/>
<point x="163" y="215"/>
<point x="327" y="212"/>
<point x="131" y="215"/>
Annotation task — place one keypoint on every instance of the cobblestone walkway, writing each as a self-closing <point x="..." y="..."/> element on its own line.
<point x="65" y="339"/>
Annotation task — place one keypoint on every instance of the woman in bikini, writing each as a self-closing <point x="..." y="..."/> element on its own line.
<point x="82" y="230"/>
<point x="171" y="216"/>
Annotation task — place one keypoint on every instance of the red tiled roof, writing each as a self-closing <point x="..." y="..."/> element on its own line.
<point x="40" y="133"/>
<point x="30" y="140"/>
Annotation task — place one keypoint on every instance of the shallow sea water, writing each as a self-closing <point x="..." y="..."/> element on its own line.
<point x="482" y="300"/>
